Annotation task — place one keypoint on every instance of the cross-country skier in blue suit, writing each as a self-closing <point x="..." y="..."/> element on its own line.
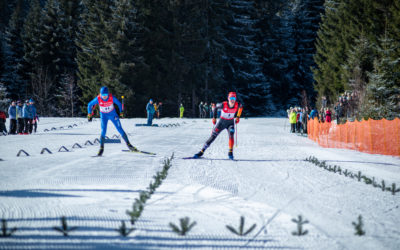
<point x="106" y="103"/>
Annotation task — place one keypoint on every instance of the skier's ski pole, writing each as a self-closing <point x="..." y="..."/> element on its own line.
<point x="236" y="132"/>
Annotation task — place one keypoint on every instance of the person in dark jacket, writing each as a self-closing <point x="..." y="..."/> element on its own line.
<point x="12" y="114"/>
<point x="20" y="118"/>
<point x="150" y="112"/>
<point x="201" y="110"/>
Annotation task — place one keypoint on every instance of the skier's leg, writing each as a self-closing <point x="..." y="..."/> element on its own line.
<point x="104" y="121"/>
<point x="118" y="126"/>
<point x="231" y="133"/>
<point x="218" y="128"/>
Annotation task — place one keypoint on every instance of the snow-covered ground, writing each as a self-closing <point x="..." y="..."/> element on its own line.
<point x="269" y="184"/>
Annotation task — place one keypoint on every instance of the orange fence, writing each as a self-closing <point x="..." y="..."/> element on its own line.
<point x="372" y="136"/>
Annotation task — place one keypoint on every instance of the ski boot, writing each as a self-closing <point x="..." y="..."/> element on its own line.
<point x="100" y="153"/>
<point x="230" y="155"/>
<point x="131" y="148"/>
<point x="198" y="155"/>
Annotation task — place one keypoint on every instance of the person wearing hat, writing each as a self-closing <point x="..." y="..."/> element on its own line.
<point x="34" y="116"/>
<point x="231" y="111"/>
<point x="150" y="112"/>
<point x="106" y="102"/>
<point x="27" y="114"/>
<point x="20" y="118"/>
<point x="12" y="114"/>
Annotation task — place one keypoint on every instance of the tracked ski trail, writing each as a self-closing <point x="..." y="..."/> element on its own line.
<point x="269" y="184"/>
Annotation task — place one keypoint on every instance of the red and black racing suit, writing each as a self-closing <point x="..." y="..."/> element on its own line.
<point x="226" y="121"/>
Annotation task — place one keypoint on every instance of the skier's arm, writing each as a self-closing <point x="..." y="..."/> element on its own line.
<point x="91" y="104"/>
<point x="116" y="101"/>
<point x="239" y="112"/>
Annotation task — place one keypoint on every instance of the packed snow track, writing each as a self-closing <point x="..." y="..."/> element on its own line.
<point x="270" y="183"/>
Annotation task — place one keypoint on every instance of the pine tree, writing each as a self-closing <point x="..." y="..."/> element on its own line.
<point x="52" y="40"/>
<point x="277" y="52"/>
<point x="30" y="35"/>
<point x="122" y="55"/>
<point x="306" y="20"/>
<point x="243" y="69"/>
<point x="383" y="91"/>
<point x="91" y="46"/>
<point x="4" y="101"/>
<point x="13" y="65"/>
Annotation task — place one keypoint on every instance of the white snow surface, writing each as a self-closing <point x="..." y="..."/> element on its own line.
<point x="269" y="184"/>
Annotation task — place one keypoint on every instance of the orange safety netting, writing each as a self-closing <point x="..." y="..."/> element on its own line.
<point x="372" y="136"/>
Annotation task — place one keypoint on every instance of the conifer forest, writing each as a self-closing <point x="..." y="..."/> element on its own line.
<point x="274" y="53"/>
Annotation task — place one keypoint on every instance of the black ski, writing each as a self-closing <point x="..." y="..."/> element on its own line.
<point x="139" y="151"/>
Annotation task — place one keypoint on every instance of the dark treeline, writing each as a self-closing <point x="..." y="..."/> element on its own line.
<point x="358" y="51"/>
<point x="60" y="52"/>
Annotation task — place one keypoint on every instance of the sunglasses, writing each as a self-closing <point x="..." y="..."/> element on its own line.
<point x="104" y="95"/>
<point x="232" y="98"/>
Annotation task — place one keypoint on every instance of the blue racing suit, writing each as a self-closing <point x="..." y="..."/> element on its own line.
<point x="107" y="112"/>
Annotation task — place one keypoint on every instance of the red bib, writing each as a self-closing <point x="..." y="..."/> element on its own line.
<point x="228" y="113"/>
<point x="106" y="106"/>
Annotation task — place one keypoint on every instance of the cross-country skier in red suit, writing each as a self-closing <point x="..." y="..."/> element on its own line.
<point x="231" y="111"/>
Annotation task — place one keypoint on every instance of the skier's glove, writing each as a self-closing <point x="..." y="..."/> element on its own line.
<point x="214" y="121"/>
<point x="89" y="117"/>
<point x="237" y="120"/>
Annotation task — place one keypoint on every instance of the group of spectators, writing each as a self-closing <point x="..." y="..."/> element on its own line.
<point x="298" y="118"/>
<point x="344" y="108"/>
<point x="23" y="118"/>
<point x="206" y="111"/>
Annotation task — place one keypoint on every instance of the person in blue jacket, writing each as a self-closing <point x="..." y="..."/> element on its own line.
<point x="150" y="112"/>
<point x="313" y="114"/>
<point x="27" y="114"/>
<point x="12" y="114"/>
<point x="34" y="116"/>
<point x="106" y="102"/>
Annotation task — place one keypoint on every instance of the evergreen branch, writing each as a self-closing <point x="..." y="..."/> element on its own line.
<point x="240" y="231"/>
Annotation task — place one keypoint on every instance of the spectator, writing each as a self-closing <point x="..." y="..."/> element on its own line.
<point x="212" y="110"/>
<point x="338" y="111"/>
<point x="292" y="120"/>
<point x="3" y="118"/>
<point x="328" y="116"/>
<point x="298" y="119"/>
<point x="313" y="114"/>
<point x="150" y="112"/>
<point x="35" y="117"/>
<point x="20" y="118"/>
<point x="26" y="113"/>
<point x="12" y="114"/>
<point x="201" y="109"/>
<point x="205" y="110"/>
<point x="304" y="120"/>
<point x="181" y="110"/>
<point x="155" y="109"/>
<point x="159" y="110"/>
